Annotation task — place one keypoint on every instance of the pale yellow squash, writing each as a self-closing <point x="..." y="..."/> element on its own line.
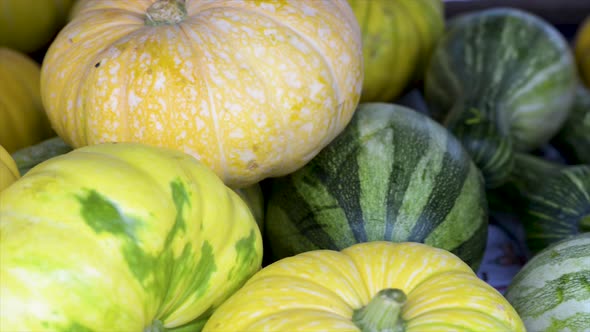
<point x="582" y="50"/>
<point x="29" y="25"/>
<point x="371" y="286"/>
<point x="23" y="121"/>
<point x="252" y="89"/>
<point x="8" y="170"/>
<point x="398" y="39"/>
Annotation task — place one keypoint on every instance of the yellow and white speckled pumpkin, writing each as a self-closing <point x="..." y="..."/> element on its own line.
<point x="8" y="170"/>
<point x="253" y="89"/>
<point x="372" y="286"/>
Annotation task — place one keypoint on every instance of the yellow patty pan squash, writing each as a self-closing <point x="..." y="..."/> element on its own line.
<point x="398" y="40"/>
<point x="8" y="170"/>
<point x="121" y="237"/>
<point x="582" y="50"/>
<point x="23" y="121"/>
<point x="29" y="25"/>
<point x="371" y="286"/>
<point x="252" y="89"/>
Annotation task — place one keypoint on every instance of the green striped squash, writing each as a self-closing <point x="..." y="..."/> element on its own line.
<point x="551" y="293"/>
<point x="393" y="174"/>
<point x="398" y="39"/>
<point x="121" y="237"/>
<point x="502" y="80"/>
<point x="552" y="200"/>
<point x="573" y="139"/>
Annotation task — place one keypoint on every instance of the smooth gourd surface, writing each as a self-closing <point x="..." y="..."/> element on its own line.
<point x="252" y="89"/>
<point x="121" y="237"/>
<point x="551" y="292"/>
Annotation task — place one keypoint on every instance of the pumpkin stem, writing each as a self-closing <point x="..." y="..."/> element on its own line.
<point x="585" y="223"/>
<point x="383" y="313"/>
<point x="165" y="12"/>
<point x="157" y="326"/>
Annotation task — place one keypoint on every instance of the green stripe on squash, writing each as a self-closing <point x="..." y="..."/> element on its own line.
<point x="393" y="174"/>
<point x="551" y="292"/>
<point x="551" y="200"/>
<point x="502" y="80"/>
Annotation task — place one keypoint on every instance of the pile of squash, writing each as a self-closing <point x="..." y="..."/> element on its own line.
<point x="188" y="165"/>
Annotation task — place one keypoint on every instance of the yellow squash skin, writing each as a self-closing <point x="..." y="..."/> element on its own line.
<point x="398" y="39"/>
<point x="28" y="25"/>
<point x="121" y="237"/>
<point x="8" y="170"/>
<point x="582" y="50"/>
<point x="252" y="89"/>
<point x="23" y="121"/>
<point x="320" y="291"/>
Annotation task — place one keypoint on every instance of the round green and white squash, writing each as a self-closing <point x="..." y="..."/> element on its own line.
<point x="121" y="237"/>
<point x="392" y="175"/>
<point x="551" y="293"/>
<point x="398" y="39"/>
<point x="502" y="80"/>
<point x="552" y="200"/>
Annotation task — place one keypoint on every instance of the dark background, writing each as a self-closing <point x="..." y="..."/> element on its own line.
<point x="566" y="15"/>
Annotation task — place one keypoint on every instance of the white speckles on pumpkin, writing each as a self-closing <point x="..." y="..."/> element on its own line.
<point x="282" y="79"/>
<point x="133" y="100"/>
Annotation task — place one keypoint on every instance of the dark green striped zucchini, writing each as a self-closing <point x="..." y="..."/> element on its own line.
<point x="573" y="140"/>
<point x="502" y="80"/>
<point x="552" y="200"/>
<point x="393" y="174"/>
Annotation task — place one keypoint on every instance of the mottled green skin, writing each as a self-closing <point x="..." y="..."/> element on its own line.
<point x="551" y="293"/>
<point x="29" y="157"/>
<point x="502" y="80"/>
<point x="121" y="237"/>
<point x="552" y="200"/>
<point x="393" y="174"/>
<point x="573" y="140"/>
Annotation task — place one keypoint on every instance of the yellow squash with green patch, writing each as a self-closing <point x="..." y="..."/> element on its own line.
<point x="121" y="237"/>
<point x="253" y="89"/>
<point x="376" y="286"/>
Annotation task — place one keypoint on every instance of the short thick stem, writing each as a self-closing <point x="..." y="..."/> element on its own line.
<point x="585" y="224"/>
<point x="157" y="326"/>
<point x="383" y="313"/>
<point x="165" y="12"/>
